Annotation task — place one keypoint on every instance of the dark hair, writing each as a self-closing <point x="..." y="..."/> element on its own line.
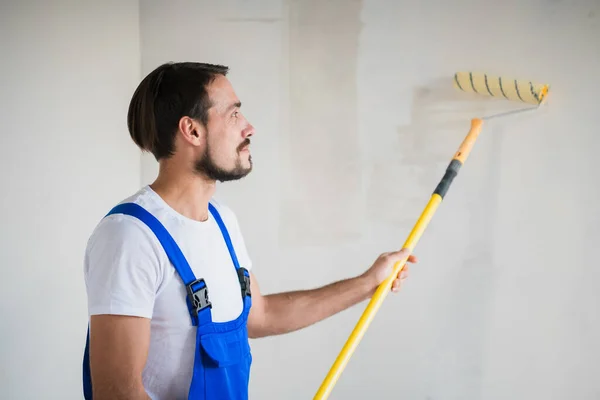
<point x="163" y="97"/>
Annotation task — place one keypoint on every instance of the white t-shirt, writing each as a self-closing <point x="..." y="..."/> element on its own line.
<point x="127" y="272"/>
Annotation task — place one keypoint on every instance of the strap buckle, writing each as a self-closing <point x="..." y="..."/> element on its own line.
<point x="244" y="279"/>
<point x="198" y="298"/>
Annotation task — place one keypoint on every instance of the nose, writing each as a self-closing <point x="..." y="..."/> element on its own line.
<point x="248" y="131"/>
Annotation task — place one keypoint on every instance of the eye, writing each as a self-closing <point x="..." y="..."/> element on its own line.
<point x="235" y="114"/>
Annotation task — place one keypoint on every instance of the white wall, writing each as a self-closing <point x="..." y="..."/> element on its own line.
<point x="67" y="73"/>
<point x="352" y="96"/>
<point x="356" y="121"/>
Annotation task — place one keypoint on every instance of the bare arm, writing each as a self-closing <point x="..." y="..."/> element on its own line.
<point x="118" y="352"/>
<point x="280" y="313"/>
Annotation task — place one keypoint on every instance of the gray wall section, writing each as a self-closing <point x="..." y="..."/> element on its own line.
<point x="326" y="174"/>
<point x="67" y="73"/>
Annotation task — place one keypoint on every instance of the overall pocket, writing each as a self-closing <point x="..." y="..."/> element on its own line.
<point x="226" y="359"/>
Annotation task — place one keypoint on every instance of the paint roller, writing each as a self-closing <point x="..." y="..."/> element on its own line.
<point x="479" y="83"/>
<point x="496" y="86"/>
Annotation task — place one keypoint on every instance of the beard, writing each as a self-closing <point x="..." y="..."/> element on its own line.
<point x="206" y="165"/>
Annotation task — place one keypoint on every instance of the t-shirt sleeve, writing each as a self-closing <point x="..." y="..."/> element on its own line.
<point x="122" y="268"/>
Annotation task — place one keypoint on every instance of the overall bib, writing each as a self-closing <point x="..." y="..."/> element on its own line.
<point x="222" y="356"/>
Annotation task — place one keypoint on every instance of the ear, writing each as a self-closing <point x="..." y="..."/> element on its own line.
<point x="191" y="130"/>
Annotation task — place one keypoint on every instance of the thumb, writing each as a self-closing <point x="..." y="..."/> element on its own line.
<point x="399" y="255"/>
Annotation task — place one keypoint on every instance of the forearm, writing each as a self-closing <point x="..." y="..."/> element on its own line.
<point x="290" y="311"/>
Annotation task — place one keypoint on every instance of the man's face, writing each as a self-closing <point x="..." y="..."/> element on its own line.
<point x="226" y="155"/>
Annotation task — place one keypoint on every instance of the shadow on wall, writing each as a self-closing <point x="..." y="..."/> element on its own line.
<point x="322" y="199"/>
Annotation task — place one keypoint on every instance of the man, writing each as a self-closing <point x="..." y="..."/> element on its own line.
<point x="171" y="296"/>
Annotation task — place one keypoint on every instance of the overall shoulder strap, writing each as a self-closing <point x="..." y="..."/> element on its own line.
<point x="242" y="273"/>
<point x="164" y="237"/>
<point x="225" y="233"/>
<point x="197" y="291"/>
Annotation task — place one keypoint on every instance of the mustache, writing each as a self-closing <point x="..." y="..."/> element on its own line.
<point x="243" y="144"/>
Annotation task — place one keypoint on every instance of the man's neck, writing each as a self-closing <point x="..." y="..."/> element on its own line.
<point x="186" y="192"/>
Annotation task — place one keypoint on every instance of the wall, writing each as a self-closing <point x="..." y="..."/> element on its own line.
<point x="356" y="121"/>
<point x="68" y="70"/>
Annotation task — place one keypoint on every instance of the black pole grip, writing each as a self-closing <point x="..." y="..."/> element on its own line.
<point x="451" y="172"/>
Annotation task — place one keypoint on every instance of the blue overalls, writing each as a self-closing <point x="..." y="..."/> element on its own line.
<point x="222" y="356"/>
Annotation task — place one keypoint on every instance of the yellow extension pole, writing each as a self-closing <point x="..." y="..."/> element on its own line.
<point x="384" y="288"/>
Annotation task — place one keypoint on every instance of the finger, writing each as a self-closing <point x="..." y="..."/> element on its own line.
<point x="412" y="259"/>
<point x="403" y="275"/>
<point x="396" y="285"/>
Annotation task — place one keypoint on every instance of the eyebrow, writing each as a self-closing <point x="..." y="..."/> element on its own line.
<point x="234" y="105"/>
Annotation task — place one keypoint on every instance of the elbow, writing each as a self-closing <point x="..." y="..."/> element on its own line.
<point x="111" y="393"/>
<point x="257" y="331"/>
<point x="258" y="320"/>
